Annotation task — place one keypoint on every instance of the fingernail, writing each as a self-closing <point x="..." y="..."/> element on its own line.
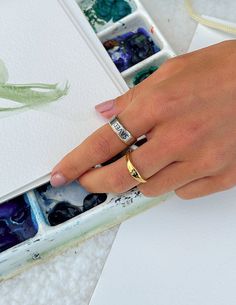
<point x="105" y="106"/>
<point x="57" y="180"/>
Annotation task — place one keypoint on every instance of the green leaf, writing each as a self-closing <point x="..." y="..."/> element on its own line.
<point x="3" y="73"/>
<point x="30" y="95"/>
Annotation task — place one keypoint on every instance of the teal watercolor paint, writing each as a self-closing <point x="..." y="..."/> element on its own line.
<point x="28" y="95"/>
<point x="143" y="74"/>
<point x="104" y="11"/>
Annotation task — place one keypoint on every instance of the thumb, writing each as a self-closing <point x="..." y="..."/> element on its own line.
<point x="114" y="107"/>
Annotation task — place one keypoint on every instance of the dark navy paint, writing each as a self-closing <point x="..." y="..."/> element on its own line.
<point x="16" y="223"/>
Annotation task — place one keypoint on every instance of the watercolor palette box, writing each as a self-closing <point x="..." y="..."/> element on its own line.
<point x="44" y="221"/>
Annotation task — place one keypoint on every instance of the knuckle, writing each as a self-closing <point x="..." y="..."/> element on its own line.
<point x="130" y="95"/>
<point x="189" y="135"/>
<point x="149" y="106"/>
<point x="207" y="165"/>
<point x="193" y="131"/>
<point x="122" y="98"/>
<point x="213" y="162"/>
<point x="126" y="98"/>
<point x="151" y="112"/>
<point x="118" y="183"/>
<point x="161" y="104"/>
<point x="175" y="62"/>
<point x="172" y="145"/>
<point x="101" y="148"/>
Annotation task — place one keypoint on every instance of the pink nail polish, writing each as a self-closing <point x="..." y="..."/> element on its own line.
<point x="108" y="114"/>
<point x="58" y="180"/>
<point x="105" y="106"/>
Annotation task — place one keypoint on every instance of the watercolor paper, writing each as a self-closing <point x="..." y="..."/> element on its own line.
<point x="46" y="44"/>
<point x="180" y="252"/>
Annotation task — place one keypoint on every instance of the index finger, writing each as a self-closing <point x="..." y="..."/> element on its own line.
<point x="101" y="146"/>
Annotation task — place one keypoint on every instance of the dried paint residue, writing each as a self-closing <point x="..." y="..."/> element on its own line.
<point x="16" y="223"/>
<point x="143" y="74"/>
<point x="131" y="48"/>
<point x="100" y="12"/>
<point x="64" y="203"/>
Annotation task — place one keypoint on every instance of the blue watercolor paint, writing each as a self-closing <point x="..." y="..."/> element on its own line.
<point x="17" y="223"/>
<point x="131" y="48"/>
<point x="62" y="212"/>
<point x="92" y="200"/>
<point x="64" y="203"/>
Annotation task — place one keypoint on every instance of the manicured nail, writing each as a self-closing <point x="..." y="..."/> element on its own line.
<point x="105" y="106"/>
<point x="57" y="180"/>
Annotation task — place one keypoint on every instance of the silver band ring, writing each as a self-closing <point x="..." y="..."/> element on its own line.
<point x="124" y="135"/>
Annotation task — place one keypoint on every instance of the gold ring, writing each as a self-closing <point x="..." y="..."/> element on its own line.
<point x="132" y="170"/>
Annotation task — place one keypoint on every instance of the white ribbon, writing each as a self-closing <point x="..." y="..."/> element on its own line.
<point x="209" y="23"/>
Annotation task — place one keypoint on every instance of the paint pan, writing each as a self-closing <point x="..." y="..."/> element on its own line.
<point x="101" y="14"/>
<point x="153" y="47"/>
<point x="17" y="223"/>
<point x="144" y="70"/>
<point x="45" y="221"/>
<point x="62" y="204"/>
<point x="130" y="48"/>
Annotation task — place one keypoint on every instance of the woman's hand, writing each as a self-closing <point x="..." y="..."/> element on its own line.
<point x="187" y="110"/>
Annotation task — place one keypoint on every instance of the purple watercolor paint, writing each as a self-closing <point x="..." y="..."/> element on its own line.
<point x="17" y="223"/>
<point x="131" y="48"/>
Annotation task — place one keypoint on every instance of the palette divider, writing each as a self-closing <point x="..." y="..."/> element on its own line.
<point x="138" y="19"/>
<point x="30" y="197"/>
<point x="154" y="30"/>
<point x="146" y="22"/>
<point x="141" y="65"/>
<point x="81" y="23"/>
<point x="119" y="24"/>
<point x="134" y="5"/>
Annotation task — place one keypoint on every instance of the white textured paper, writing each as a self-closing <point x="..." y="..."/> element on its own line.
<point x="179" y="253"/>
<point x="39" y="43"/>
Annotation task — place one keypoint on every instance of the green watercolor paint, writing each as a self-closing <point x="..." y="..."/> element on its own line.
<point x="104" y="11"/>
<point x="142" y="75"/>
<point x="28" y="95"/>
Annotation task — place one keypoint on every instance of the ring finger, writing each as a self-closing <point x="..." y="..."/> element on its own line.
<point x="171" y="178"/>
<point x="115" y="177"/>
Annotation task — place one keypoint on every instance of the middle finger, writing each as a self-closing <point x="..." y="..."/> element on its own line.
<point x="115" y="177"/>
